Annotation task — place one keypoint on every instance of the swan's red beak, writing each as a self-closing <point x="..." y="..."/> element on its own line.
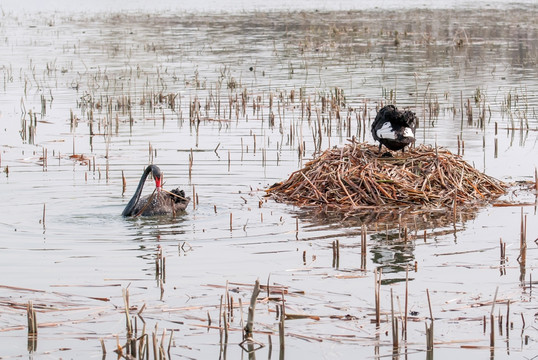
<point x="158" y="183"/>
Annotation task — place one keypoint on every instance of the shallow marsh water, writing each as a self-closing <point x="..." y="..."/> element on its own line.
<point x="115" y="73"/>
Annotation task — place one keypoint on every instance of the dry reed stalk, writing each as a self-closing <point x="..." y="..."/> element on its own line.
<point x="406" y="301"/>
<point x="394" y="322"/>
<point x="536" y="179"/>
<point x="250" y="320"/>
<point x="429" y="336"/>
<point x="355" y="178"/>
<point x="363" y="246"/>
<point x="507" y="318"/>
<point x="377" y="289"/>
<point x="194" y="197"/>
<point x="281" y="327"/>
<point x="502" y="266"/>
<point x="429" y="304"/>
<point x="155" y="344"/>
<point x="225" y="322"/>
<point x="128" y="322"/>
<point x="32" y="320"/>
<point x="429" y="329"/>
<point x="103" y="348"/>
<point x="522" y="258"/>
<point x="337" y="249"/>
<point x="170" y="343"/>
<point x="492" y="321"/>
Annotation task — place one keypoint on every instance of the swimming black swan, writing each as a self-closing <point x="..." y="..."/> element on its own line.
<point x="161" y="202"/>
<point x="394" y="128"/>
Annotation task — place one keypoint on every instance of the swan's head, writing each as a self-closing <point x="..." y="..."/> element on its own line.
<point x="157" y="176"/>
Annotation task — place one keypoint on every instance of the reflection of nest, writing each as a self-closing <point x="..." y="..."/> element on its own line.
<point x="356" y="179"/>
<point x="413" y="218"/>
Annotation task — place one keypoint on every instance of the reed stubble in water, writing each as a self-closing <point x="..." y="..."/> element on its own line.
<point x="377" y="290"/>
<point x="522" y="258"/>
<point x="32" y="327"/>
<point x="248" y="330"/>
<point x="429" y="329"/>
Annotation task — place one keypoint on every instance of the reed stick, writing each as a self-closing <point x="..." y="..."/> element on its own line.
<point x="248" y="329"/>
<point x="377" y="289"/>
<point x="406" y="301"/>
<point x="32" y="320"/>
<point x="394" y="322"/>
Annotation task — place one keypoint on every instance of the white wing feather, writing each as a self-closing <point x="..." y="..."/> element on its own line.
<point x="386" y="132"/>
<point x="408" y="133"/>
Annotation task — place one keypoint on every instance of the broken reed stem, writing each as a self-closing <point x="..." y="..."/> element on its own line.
<point x="394" y="322"/>
<point x="143" y="348"/>
<point x="494" y="300"/>
<point x="492" y="332"/>
<point x="429" y="304"/>
<point x="155" y="344"/>
<point x="225" y="322"/>
<point x="406" y="300"/>
<point x="535" y="179"/>
<point x="377" y="289"/>
<point x="336" y="253"/>
<point x="128" y="323"/>
<point x="281" y="327"/>
<point x="119" y="348"/>
<point x="250" y="320"/>
<point x="44" y="213"/>
<point x="103" y="348"/>
<point x="429" y="329"/>
<point x="492" y="321"/>
<point x="32" y="320"/>
<point x="429" y="336"/>
<point x="507" y="318"/>
<point x="170" y="343"/>
<point x="523" y="240"/>
<point x="194" y="197"/>
<point x="522" y="258"/>
<point x="161" y="345"/>
<point x="363" y="246"/>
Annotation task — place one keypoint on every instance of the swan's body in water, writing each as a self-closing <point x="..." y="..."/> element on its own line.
<point x="161" y="202"/>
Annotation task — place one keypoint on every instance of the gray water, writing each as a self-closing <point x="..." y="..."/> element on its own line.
<point x="65" y="247"/>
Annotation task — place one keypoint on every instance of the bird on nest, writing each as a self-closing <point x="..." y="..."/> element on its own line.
<point x="394" y="128"/>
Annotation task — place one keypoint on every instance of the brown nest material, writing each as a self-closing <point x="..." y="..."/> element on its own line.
<point x="356" y="177"/>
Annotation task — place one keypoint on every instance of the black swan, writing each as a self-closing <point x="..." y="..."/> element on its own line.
<point x="394" y="128"/>
<point x="161" y="202"/>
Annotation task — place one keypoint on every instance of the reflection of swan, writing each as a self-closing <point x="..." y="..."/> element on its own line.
<point x="161" y="202"/>
<point x="394" y="128"/>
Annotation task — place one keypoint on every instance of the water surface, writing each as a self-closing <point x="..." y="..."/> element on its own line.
<point x="98" y="86"/>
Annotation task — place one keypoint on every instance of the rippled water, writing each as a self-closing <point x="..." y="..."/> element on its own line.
<point x="66" y="248"/>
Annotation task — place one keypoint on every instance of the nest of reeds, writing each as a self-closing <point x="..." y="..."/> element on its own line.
<point x="356" y="177"/>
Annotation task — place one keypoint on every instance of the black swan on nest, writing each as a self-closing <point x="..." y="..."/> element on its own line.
<point x="161" y="202"/>
<point x="394" y="128"/>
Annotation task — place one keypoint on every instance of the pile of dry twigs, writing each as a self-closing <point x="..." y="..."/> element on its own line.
<point x="356" y="177"/>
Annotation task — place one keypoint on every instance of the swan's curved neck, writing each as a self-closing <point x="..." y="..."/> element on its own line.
<point x="128" y="211"/>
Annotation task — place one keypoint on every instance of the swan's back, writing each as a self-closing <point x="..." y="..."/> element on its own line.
<point x="162" y="203"/>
